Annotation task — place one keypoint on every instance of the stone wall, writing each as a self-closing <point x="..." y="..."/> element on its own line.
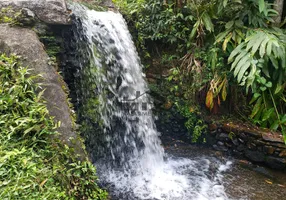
<point x="238" y="139"/>
<point x="257" y="145"/>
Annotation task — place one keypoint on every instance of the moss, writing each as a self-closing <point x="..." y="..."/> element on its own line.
<point x="15" y="17"/>
<point x="8" y="15"/>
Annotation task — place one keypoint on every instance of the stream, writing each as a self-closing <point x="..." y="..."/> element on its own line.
<point x="242" y="180"/>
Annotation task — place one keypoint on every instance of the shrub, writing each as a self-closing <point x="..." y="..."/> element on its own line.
<point x="33" y="163"/>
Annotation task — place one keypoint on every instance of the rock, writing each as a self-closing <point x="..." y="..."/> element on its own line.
<point x="107" y="3"/>
<point x="25" y="43"/>
<point x="245" y="163"/>
<point x="271" y="137"/>
<point x="235" y="142"/>
<point x="282" y="154"/>
<point x="241" y="141"/>
<point x="27" y="17"/>
<point x="268" y="149"/>
<point x="255" y="156"/>
<point x="241" y="147"/>
<point x="276" y="163"/>
<point x="220" y="143"/>
<point x="223" y="137"/>
<point x="220" y="148"/>
<point x="251" y="146"/>
<point x="48" y="11"/>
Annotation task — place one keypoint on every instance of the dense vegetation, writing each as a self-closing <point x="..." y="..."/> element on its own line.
<point x="223" y="50"/>
<point x="34" y="165"/>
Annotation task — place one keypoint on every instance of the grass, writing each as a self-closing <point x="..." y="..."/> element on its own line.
<point x="33" y="163"/>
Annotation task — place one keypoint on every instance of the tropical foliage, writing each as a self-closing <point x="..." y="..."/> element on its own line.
<point x="33" y="164"/>
<point x="218" y="46"/>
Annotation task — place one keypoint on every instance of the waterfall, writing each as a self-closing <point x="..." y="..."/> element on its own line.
<point x="112" y="95"/>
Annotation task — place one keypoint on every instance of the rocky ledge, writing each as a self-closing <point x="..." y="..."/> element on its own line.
<point x="48" y="11"/>
<point x="256" y="144"/>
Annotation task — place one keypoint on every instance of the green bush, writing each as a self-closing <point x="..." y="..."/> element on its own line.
<point x="221" y="43"/>
<point x="33" y="163"/>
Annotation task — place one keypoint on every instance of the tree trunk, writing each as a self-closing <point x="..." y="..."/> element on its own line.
<point x="179" y="3"/>
<point x="279" y="8"/>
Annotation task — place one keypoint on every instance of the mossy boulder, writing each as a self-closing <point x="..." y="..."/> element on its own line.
<point x="48" y="11"/>
<point x="25" y="43"/>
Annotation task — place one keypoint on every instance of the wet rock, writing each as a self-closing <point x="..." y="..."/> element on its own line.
<point x="223" y="137"/>
<point x="276" y="163"/>
<point x="235" y="142"/>
<point x="228" y="144"/>
<point x="268" y="149"/>
<point x="220" y="143"/>
<point x="263" y="171"/>
<point x="251" y="146"/>
<point x="220" y="148"/>
<point x="241" y="147"/>
<point x="48" y="11"/>
<point x="243" y="136"/>
<point x="282" y="154"/>
<point x="241" y="141"/>
<point x="255" y="156"/>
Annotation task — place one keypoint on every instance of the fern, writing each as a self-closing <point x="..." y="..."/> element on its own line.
<point x="259" y="64"/>
<point x="261" y="52"/>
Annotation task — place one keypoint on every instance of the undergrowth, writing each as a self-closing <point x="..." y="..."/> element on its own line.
<point x="33" y="163"/>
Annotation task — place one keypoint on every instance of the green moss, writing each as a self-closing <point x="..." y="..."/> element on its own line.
<point x="35" y="165"/>
<point x="10" y="16"/>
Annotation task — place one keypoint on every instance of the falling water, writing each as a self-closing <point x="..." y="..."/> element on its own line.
<point x="132" y="162"/>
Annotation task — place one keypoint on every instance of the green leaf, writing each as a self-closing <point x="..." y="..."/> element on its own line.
<point x="207" y="22"/>
<point x="256" y="108"/>
<point x="263" y="89"/>
<point x="244" y="61"/>
<point x="265" y="70"/>
<point x="269" y="84"/>
<point x="242" y="55"/>
<point x="243" y="69"/>
<point x="221" y="36"/>
<point x="257" y="43"/>
<point x="262" y="48"/>
<point x="254" y="98"/>
<point x="283" y="119"/>
<point x="267" y="114"/>
<point x="275" y="125"/>
<point x="195" y="29"/>
<point x="261" y="5"/>
<point x="229" y="24"/>
<point x="274" y="62"/>
<point x="225" y="3"/>
<point x="269" y="48"/>
<point x="236" y="51"/>
<point x="278" y="89"/>
<point x="227" y="39"/>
